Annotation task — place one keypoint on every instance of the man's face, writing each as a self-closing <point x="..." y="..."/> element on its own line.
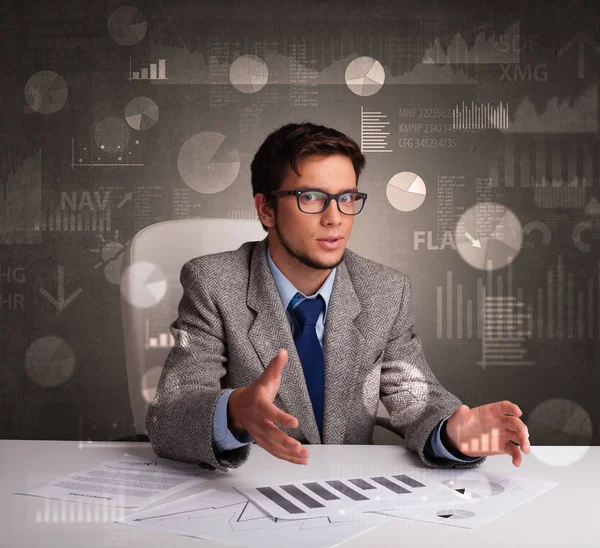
<point x="299" y="232"/>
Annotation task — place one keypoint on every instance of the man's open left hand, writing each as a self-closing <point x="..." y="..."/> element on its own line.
<point x="486" y="430"/>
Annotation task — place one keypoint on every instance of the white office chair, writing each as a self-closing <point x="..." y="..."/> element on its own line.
<point x="151" y="291"/>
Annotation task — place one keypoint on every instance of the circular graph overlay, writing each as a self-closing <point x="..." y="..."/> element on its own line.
<point x="560" y="422"/>
<point x="141" y="113"/>
<point x="49" y="361"/>
<point x="555" y="455"/>
<point x="143" y="284"/>
<point x="208" y="162"/>
<point x="127" y="25"/>
<point x="455" y="513"/>
<point x="150" y="383"/>
<point x="112" y="134"/>
<point x="46" y="92"/>
<point x="406" y="191"/>
<point x="488" y="236"/>
<point x="364" y="76"/>
<point x="249" y="73"/>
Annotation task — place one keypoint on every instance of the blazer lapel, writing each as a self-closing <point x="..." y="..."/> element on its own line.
<point x="269" y="332"/>
<point x="343" y="344"/>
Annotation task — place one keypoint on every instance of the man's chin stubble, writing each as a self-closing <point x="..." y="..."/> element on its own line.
<point x="304" y="259"/>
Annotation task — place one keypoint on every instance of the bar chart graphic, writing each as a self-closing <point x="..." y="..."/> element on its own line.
<point x="478" y="117"/>
<point x="557" y="310"/>
<point x="465" y="319"/>
<point x="162" y="340"/>
<point x="373" y="138"/>
<point x="559" y="170"/>
<point x="20" y="197"/>
<point x="154" y="71"/>
<point x="331" y="497"/>
<point x="84" y="220"/>
<point x="578" y="316"/>
<point x="486" y="442"/>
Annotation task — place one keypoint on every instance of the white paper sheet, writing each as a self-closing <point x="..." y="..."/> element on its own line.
<point x="231" y="518"/>
<point x="129" y="482"/>
<point x="482" y="497"/>
<point x="315" y="498"/>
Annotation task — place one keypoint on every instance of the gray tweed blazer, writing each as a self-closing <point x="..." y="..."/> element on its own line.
<point x="232" y="323"/>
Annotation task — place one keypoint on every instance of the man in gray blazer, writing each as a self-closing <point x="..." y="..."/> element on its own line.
<point x="250" y="365"/>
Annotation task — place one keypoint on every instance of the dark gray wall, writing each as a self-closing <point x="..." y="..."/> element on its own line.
<point x="523" y="179"/>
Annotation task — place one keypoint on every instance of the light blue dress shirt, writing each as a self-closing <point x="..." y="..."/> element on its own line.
<point x="224" y="439"/>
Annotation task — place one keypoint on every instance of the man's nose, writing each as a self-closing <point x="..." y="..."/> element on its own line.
<point x="332" y="211"/>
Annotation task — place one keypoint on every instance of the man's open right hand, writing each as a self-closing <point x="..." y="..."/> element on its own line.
<point x="251" y="409"/>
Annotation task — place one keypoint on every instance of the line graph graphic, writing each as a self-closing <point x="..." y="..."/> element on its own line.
<point x="488" y="45"/>
<point x="232" y="518"/>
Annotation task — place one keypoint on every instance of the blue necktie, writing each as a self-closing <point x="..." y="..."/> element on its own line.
<point x="310" y="351"/>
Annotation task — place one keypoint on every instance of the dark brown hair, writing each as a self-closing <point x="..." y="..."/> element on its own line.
<point x="287" y="144"/>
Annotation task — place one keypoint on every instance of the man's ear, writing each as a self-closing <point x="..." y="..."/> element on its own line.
<point x="265" y="212"/>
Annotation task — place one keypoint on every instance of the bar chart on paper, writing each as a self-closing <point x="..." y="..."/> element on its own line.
<point x="338" y="496"/>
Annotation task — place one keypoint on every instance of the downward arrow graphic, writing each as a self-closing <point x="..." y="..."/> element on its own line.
<point x="473" y="240"/>
<point x="60" y="303"/>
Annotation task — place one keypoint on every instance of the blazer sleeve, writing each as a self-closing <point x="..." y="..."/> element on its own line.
<point x="412" y="395"/>
<point x="180" y="418"/>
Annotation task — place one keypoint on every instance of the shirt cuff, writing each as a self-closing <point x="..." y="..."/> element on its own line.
<point x="440" y="450"/>
<point x="223" y="438"/>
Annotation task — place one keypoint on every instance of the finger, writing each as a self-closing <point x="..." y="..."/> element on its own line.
<point x="271" y="376"/>
<point x="520" y="431"/>
<point x="293" y="460"/>
<point x="276" y="415"/>
<point x="282" y="453"/>
<point x="274" y="440"/>
<point x="514" y="452"/>
<point x="278" y="437"/>
<point x="509" y="408"/>
<point x="280" y="360"/>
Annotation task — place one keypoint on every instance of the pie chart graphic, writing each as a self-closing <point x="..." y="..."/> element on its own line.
<point x="474" y="489"/>
<point x="141" y="113"/>
<point x="249" y="73"/>
<point x="488" y="236"/>
<point x="127" y="26"/>
<point x="208" y="162"/>
<point x="49" y="361"/>
<point x="406" y="191"/>
<point x="455" y="513"/>
<point x="560" y="422"/>
<point x="364" y="76"/>
<point x="46" y="92"/>
<point x="143" y="284"/>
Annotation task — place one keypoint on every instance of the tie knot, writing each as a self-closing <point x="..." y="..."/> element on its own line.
<point x="307" y="312"/>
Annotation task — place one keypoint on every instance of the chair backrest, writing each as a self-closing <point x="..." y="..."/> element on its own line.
<point x="151" y="291"/>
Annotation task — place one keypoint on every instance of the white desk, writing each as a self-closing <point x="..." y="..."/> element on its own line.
<point x="563" y="517"/>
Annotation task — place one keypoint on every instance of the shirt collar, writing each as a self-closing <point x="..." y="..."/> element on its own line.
<point x="287" y="290"/>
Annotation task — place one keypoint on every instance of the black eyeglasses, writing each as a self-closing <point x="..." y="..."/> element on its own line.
<point x="314" y="200"/>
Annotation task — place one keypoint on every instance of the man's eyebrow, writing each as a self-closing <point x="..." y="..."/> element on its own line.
<point x="306" y="187"/>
